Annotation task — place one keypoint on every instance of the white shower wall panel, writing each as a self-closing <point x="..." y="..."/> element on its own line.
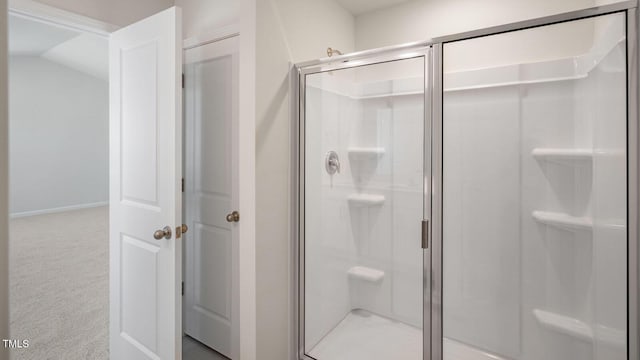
<point x="391" y="241"/>
<point x="384" y="237"/>
<point x="491" y="134"/>
<point x="481" y="219"/>
<point x="525" y="265"/>
<point x="330" y="248"/>
<point x="555" y="262"/>
<point x="608" y="204"/>
<point x="407" y="149"/>
<point x="407" y="263"/>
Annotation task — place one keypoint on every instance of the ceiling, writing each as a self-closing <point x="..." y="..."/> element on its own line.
<point x="82" y="52"/>
<point x="28" y="37"/>
<point x="359" y="7"/>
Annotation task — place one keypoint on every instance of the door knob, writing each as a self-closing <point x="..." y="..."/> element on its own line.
<point x="233" y="217"/>
<point x="163" y="233"/>
<point x="184" y="228"/>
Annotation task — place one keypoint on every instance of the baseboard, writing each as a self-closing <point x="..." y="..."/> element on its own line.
<point x="58" y="209"/>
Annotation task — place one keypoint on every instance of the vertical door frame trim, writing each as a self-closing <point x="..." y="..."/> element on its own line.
<point x="427" y="256"/>
<point x="436" y="199"/>
<point x="194" y="43"/>
<point x="633" y="186"/>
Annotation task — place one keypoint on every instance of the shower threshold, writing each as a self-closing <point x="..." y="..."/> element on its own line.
<point x="362" y="335"/>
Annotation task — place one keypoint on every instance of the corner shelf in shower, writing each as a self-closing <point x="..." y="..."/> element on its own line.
<point x="563" y="221"/>
<point x="366" y="274"/>
<point x="365" y="152"/>
<point x="579" y="329"/>
<point x="564" y="324"/>
<point x="568" y="156"/>
<point x="365" y="199"/>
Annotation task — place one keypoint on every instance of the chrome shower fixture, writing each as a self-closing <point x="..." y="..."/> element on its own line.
<point x="331" y="52"/>
<point x="332" y="163"/>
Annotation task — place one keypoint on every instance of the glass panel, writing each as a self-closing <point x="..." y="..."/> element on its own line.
<point x="534" y="194"/>
<point x="363" y="203"/>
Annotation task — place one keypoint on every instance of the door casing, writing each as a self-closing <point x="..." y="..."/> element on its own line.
<point x="224" y="47"/>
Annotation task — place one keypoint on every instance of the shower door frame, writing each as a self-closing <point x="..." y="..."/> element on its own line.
<point x="432" y="326"/>
<point x="629" y="8"/>
<point x="298" y="83"/>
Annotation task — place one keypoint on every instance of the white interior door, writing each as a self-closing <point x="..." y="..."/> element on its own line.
<point x="145" y="195"/>
<point x="211" y="245"/>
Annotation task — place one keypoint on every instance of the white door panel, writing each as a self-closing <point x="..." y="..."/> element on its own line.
<point x="211" y="98"/>
<point x="145" y="171"/>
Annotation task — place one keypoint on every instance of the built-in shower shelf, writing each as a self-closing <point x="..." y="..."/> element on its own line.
<point x="564" y="324"/>
<point x="563" y="221"/>
<point x="365" y="199"/>
<point x="366" y="274"/>
<point x="365" y="152"/>
<point x="563" y="155"/>
<point x="390" y="95"/>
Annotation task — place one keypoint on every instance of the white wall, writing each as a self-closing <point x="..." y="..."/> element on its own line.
<point x="421" y="19"/>
<point x="245" y="338"/>
<point x="4" y="187"/>
<point x="59" y="136"/>
<point x="309" y="27"/>
<point x="286" y="31"/>
<point x="202" y="16"/>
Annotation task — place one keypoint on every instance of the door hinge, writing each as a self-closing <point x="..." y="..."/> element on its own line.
<point x="183" y="288"/>
<point x="182" y="184"/>
<point x="425" y="234"/>
<point x="183" y="80"/>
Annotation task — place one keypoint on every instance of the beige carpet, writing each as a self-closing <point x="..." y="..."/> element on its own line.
<point x="60" y="285"/>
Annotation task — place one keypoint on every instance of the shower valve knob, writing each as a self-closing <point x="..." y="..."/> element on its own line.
<point x="332" y="163"/>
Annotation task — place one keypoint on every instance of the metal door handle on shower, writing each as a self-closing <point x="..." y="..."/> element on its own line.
<point x="332" y="163"/>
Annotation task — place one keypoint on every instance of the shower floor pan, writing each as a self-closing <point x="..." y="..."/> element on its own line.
<point x="362" y="335"/>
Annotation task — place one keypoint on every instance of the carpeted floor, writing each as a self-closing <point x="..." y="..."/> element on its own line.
<point x="60" y="285"/>
<point x="60" y="288"/>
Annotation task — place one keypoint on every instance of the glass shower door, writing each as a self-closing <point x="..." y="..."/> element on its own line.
<point x="363" y="201"/>
<point x="534" y="229"/>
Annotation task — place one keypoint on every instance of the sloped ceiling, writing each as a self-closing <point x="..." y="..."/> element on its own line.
<point x="82" y="52"/>
<point x="31" y="38"/>
<point x="86" y="53"/>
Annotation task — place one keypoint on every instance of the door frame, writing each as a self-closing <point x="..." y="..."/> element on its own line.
<point x="243" y="337"/>
<point x="434" y="344"/>
<point x="298" y="77"/>
<point x="4" y="180"/>
<point x="222" y="34"/>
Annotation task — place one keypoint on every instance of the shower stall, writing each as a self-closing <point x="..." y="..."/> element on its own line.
<point x="473" y="196"/>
